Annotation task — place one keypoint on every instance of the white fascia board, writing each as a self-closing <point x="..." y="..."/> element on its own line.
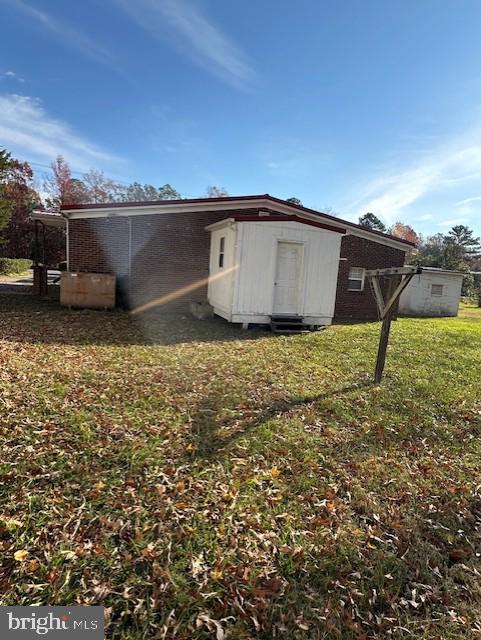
<point x="179" y="207"/>
<point x="220" y="224"/>
<point x="390" y="242"/>
<point x="230" y="205"/>
<point x="353" y="230"/>
<point x="456" y="274"/>
<point x="442" y="272"/>
<point x="341" y="224"/>
<point x="48" y="219"/>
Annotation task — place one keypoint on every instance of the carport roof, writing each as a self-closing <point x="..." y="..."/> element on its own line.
<point x="49" y="218"/>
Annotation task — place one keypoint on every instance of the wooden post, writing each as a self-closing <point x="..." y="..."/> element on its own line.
<point x="384" y="337"/>
<point x="36" y="250"/>
<point x="387" y="306"/>
<point x="381" y="352"/>
<point x="40" y="281"/>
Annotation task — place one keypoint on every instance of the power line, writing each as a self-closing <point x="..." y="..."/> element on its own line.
<point x="78" y="173"/>
<point x="47" y="166"/>
<point x="81" y="174"/>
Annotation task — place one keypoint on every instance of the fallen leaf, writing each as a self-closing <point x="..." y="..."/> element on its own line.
<point x="180" y="486"/>
<point x="33" y="565"/>
<point x="216" y="574"/>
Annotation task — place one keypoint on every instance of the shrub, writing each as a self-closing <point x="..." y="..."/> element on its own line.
<point x="12" y="266"/>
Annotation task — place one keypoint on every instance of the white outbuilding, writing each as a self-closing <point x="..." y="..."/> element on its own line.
<point x="273" y="267"/>
<point x="434" y="292"/>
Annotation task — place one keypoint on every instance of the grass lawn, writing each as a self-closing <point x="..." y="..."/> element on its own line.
<point x="198" y="480"/>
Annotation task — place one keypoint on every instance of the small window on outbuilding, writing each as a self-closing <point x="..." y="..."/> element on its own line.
<point x="436" y="289"/>
<point x="356" y="279"/>
<point x="221" y="252"/>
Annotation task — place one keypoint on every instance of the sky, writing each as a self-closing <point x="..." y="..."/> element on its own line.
<point x="349" y="106"/>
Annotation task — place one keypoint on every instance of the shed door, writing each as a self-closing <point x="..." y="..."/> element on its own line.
<point x="288" y="277"/>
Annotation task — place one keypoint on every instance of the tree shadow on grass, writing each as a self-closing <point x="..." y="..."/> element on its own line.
<point x="218" y="423"/>
<point x="213" y="434"/>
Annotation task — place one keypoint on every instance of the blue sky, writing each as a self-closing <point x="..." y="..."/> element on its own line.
<point x="357" y="106"/>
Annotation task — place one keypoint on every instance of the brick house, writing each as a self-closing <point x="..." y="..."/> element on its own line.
<point x="251" y="256"/>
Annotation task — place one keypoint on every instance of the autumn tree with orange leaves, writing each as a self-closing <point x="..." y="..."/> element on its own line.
<point x="404" y="231"/>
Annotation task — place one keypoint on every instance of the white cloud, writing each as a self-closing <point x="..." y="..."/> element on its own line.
<point x="190" y="32"/>
<point x="423" y="218"/>
<point x="11" y="75"/>
<point x="452" y="222"/>
<point x="451" y="165"/>
<point x="292" y="157"/>
<point x="29" y="131"/>
<point x="467" y="201"/>
<point x="467" y="206"/>
<point x="273" y="166"/>
<point x="68" y="34"/>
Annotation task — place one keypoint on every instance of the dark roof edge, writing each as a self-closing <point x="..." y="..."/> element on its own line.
<point x="342" y="221"/>
<point x="266" y="196"/>
<point x="273" y="218"/>
<point x="156" y="203"/>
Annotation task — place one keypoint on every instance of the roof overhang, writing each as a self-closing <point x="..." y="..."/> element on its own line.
<point x="49" y="219"/>
<point x="265" y="202"/>
<point x="164" y="207"/>
<point x="442" y="272"/>
<point x="273" y="218"/>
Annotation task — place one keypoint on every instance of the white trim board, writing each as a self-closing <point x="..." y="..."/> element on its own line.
<point x="230" y="205"/>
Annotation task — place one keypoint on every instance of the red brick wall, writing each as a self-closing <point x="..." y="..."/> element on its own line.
<point x="170" y="254"/>
<point x="170" y="257"/>
<point x="99" y="245"/>
<point x="369" y="255"/>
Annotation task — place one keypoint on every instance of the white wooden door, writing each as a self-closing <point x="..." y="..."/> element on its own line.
<point x="288" y="277"/>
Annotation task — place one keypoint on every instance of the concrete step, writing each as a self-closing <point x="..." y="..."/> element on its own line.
<point x="286" y="332"/>
<point x="288" y="325"/>
<point x="288" y="319"/>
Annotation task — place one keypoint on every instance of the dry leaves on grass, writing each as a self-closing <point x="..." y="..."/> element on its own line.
<point x="195" y="492"/>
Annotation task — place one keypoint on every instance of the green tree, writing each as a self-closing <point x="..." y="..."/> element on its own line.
<point x="137" y="192"/>
<point x="5" y="204"/>
<point x="216" y="192"/>
<point x="17" y="235"/>
<point x="294" y="201"/>
<point x="431" y="250"/>
<point x="372" y="222"/>
<point x="476" y="288"/>
<point x="167" y="192"/>
<point x="463" y="237"/>
<point x="458" y="250"/>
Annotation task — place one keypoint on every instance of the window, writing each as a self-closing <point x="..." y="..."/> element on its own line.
<point x="356" y="279"/>
<point x="221" y="252"/>
<point x="436" y="289"/>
